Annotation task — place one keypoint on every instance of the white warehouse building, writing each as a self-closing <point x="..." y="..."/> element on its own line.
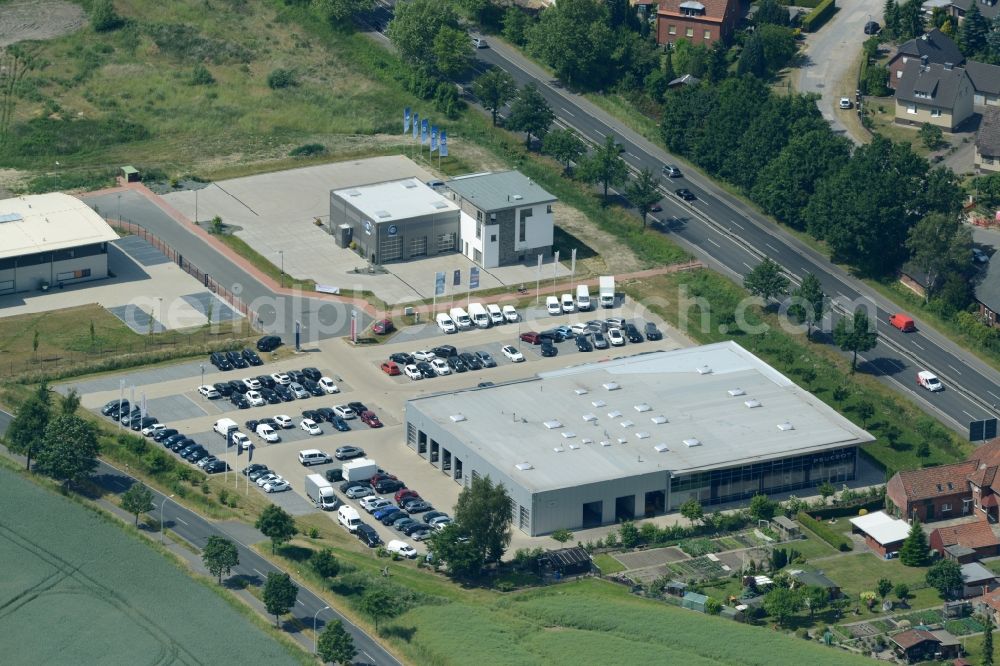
<point x="49" y="240"/>
<point x="636" y="437"/>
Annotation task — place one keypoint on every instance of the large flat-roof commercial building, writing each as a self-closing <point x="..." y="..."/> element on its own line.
<point x="397" y="220"/>
<point x="507" y="217"/>
<point x="51" y="239"/>
<point x="636" y="436"/>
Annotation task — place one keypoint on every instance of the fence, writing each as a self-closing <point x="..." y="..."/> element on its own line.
<point x="207" y="280"/>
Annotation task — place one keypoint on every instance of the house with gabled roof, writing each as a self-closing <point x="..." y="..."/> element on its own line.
<point x="698" y="21"/>
<point x="931" y="93"/>
<point x="987" y="294"/>
<point x="987" y="157"/>
<point x="965" y="542"/>
<point x="934" y="47"/>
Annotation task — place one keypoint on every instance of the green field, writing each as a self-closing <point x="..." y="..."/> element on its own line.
<point x="77" y="590"/>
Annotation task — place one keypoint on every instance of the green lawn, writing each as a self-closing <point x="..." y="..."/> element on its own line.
<point x="608" y="564"/>
<point x="858" y="572"/>
<point x="811" y="547"/>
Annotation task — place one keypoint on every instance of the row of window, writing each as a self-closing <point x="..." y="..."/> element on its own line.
<point x="522" y="230"/>
<point x="912" y="110"/>
<point x="49" y="257"/>
<point x="689" y="32"/>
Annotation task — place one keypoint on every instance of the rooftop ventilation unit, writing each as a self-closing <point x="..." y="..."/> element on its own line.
<point x="621" y="440"/>
<point x="569" y="434"/>
<point x="516" y="197"/>
<point x="409" y="184"/>
<point x="704" y="370"/>
<point x="11" y="217"/>
<point x="353" y="193"/>
<point x="614" y="415"/>
<point x="574" y="447"/>
<point x="553" y="424"/>
<point x="751" y="403"/>
<point x="642" y="435"/>
<point x="524" y="467"/>
<point x="456" y="418"/>
<point x="586" y="440"/>
<point x="736" y="392"/>
<point x="598" y="403"/>
<point x="580" y="391"/>
<point x="626" y="424"/>
<point x="590" y="418"/>
<point x="605" y="442"/>
<point x="611" y="386"/>
<point x="643" y="407"/>
<point x="383" y="214"/>
<point x="440" y="205"/>
<point x="661" y="448"/>
<point x="558" y="449"/>
<point x="785" y="426"/>
<point x="692" y="442"/>
<point x="659" y="420"/>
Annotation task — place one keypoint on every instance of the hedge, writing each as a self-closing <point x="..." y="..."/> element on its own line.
<point x="835" y="539"/>
<point x="849" y="509"/>
<point x="815" y="19"/>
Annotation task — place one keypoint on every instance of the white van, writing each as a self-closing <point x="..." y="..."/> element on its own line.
<point x="224" y="426"/>
<point x="510" y="314"/>
<point x="582" y="298"/>
<point x="446" y="323"/>
<point x="496" y="316"/>
<point x="480" y="317"/>
<point x="349" y="518"/>
<point x="313" y="457"/>
<point x="462" y="319"/>
<point x="552" y="305"/>
<point x="567" y="303"/>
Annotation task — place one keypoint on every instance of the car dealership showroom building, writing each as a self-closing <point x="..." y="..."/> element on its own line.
<point x="636" y="437"/>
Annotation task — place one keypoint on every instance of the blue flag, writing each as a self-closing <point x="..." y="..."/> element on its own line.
<point x="434" y="138"/>
<point x="406" y="120"/>
<point x="250" y="450"/>
<point x="474" y="277"/>
<point x="444" y="143"/>
<point x="424" y="128"/>
<point x="439" y="283"/>
<point x="416" y="125"/>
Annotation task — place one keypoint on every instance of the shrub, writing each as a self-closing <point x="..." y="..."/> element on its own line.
<point x="200" y="76"/>
<point x="815" y="19"/>
<point x="281" y="78"/>
<point x="307" y="150"/>
<point x="833" y="538"/>
<point x="103" y="17"/>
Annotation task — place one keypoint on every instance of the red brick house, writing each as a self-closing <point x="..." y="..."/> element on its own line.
<point x="966" y="542"/>
<point x="698" y="21"/>
<point x="948" y="491"/>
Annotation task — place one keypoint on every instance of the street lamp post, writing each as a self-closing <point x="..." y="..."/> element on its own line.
<point x="202" y="374"/>
<point x="281" y="253"/>
<point x="315" y="638"/>
<point x="119" y="209"/>
<point x="162" y="504"/>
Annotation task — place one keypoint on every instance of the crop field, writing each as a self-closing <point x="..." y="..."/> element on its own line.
<point x="76" y="589"/>
<point x="592" y="622"/>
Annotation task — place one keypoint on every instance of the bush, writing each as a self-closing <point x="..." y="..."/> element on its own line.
<point x="815" y="19"/>
<point x="281" y="78"/>
<point x="200" y="76"/>
<point x="103" y="17"/>
<point x="833" y="538"/>
<point x="307" y="150"/>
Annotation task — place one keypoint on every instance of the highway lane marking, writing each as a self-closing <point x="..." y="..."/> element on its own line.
<point x="738" y="224"/>
<point x="600" y="132"/>
<point x="993" y="394"/>
<point x="260" y="573"/>
<point x="713" y="242"/>
<point x="180" y="520"/>
<point x="917" y="345"/>
<point x="299" y="601"/>
<point x="567" y="112"/>
<point x="748" y="265"/>
<point x="969" y="415"/>
<point x="368" y="655"/>
<point x="954" y="368"/>
<point x="772" y="247"/>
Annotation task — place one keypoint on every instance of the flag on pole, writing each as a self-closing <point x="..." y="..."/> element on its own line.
<point x="406" y="120"/>
<point x="556" y="261"/>
<point x="443" y="152"/>
<point x="434" y="138"/>
<point x="474" y="277"/>
<point x="416" y="125"/>
<point x="250" y="451"/>
<point x="354" y="326"/>
<point x="239" y="450"/>
<point x="439" y="283"/>
<point x="458" y="277"/>
<point x="425" y="128"/>
<point x="539" y="261"/>
<point x="572" y="264"/>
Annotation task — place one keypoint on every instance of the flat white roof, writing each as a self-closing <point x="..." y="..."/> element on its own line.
<point x="882" y="527"/>
<point x="47" y="222"/>
<point x="396" y="200"/>
<point x="668" y="411"/>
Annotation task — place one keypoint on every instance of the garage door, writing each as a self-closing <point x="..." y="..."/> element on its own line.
<point x="391" y="249"/>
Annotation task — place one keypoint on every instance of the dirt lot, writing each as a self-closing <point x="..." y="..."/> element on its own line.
<point x="574" y="222"/>
<point x="22" y="20"/>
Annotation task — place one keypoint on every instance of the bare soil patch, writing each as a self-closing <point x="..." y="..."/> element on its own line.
<point x="23" y="20"/>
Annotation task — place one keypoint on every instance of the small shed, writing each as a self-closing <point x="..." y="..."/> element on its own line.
<point x="675" y="588"/>
<point x="566" y="562"/>
<point x="787" y="528"/>
<point x="694" y="601"/>
<point x="883" y="533"/>
<point x="732" y="613"/>
<point x="977" y="580"/>
<point x="817" y="579"/>
<point x="130" y="174"/>
<point x="915" y="645"/>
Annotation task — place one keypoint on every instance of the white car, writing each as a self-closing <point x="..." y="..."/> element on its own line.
<point x="281" y="378"/>
<point x="615" y="337"/>
<point x="298" y="390"/>
<point x="401" y="548"/>
<point x="284" y="421"/>
<point x="568" y="304"/>
<point x="251" y="383"/>
<point x="344" y="412"/>
<point x="440" y="367"/>
<point x="412" y="371"/>
<point x="552" y="305"/>
<point x="267" y="433"/>
<point x="241" y="440"/>
<point x="310" y="427"/>
<point x="845" y="103"/>
<point x="423" y="355"/>
<point x="440" y="522"/>
<point x="511" y="353"/>
<point x="328" y="385"/>
<point x="579" y="329"/>
<point x="372" y="503"/>
<point x="446" y="323"/>
<point x="208" y="392"/>
<point x="149" y="431"/>
<point x="277" y="486"/>
<point x="255" y="399"/>
<point x="268" y="478"/>
<point x="509" y="313"/>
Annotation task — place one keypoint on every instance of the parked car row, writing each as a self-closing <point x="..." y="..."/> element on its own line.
<point x="266" y="480"/>
<point x="478" y="316"/>
<point x="272" y="389"/>
<point x="594" y="334"/>
<point x="231" y="360"/>
<point x="440" y="361"/>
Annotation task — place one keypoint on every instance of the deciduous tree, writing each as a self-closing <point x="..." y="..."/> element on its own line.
<point x="565" y="146"/>
<point x="643" y="191"/>
<point x="452" y="51"/>
<point x="531" y="114"/>
<point x="762" y="507"/>
<point x="338" y="13"/>
<point x="946" y="577"/>
<point x="69" y="449"/>
<point x="855" y="334"/>
<point x="766" y="280"/>
<point x="279" y="594"/>
<point x="484" y="512"/>
<point x="335" y="644"/>
<point x="414" y="28"/>
<point x="494" y="90"/>
<point x="220" y="556"/>
<point x="781" y="603"/>
<point x="604" y="166"/>
<point x="378" y="603"/>
<point x="692" y="510"/>
<point x="27" y="429"/>
<point x="276" y="524"/>
<point x="137" y="499"/>
<point x="325" y="563"/>
<point x="939" y="244"/>
<point x="451" y="547"/>
<point x="809" y="302"/>
<point x="883" y="587"/>
<point x="575" y="37"/>
<point x="815" y="598"/>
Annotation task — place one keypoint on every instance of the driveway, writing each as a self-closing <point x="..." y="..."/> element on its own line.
<point x="830" y="57"/>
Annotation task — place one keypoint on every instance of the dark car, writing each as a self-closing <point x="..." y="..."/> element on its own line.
<point x="170" y="440"/>
<point x="553" y="334"/>
<point x="238" y="386"/>
<point x="224" y="389"/>
<point x="268" y="343"/>
<point x="284" y="393"/>
<point x="252" y="467"/>
<point x="270" y="395"/>
<point x="548" y="349"/>
<point x="340" y="424"/>
<point x="236" y="359"/>
<point x="127" y="415"/>
<point x="403" y="521"/>
<point x="457" y="364"/>
<point x="314" y="389"/>
<point x="219" y="360"/>
<point x="216" y="466"/>
<point x="402" y="358"/>
<point x="410" y="528"/>
<point x="384" y="486"/>
<point x="426" y="369"/>
<point x="182" y="444"/>
<point x="250" y="356"/>
<point x="597" y="325"/>
<point x="390" y="517"/>
<point x="139" y="424"/>
<point x="486" y="359"/>
<point x="347" y="485"/>
<point x="240" y="401"/>
<point x="600" y="342"/>
<point x="348" y="452"/>
<point x="251" y="424"/>
<point x="111" y="408"/>
<point x="325" y="414"/>
<point x="256" y="474"/>
<point x="312" y="414"/>
<point x="471" y="361"/>
<point x="266" y="381"/>
<point x="383" y="326"/>
<point x="312" y="373"/>
<point x="368" y="536"/>
<point x="652" y="333"/>
<point x="633" y="334"/>
<point x="165" y="433"/>
<point x="296" y="376"/>
<point x="872" y="28"/>
<point x="583" y="343"/>
<point x="445" y="351"/>
<point x="196" y="455"/>
<point x="685" y="194"/>
<point x="418" y="507"/>
<point x="431" y="515"/>
<point x="335" y="474"/>
<point x="531" y="337"/>
<point x="358" y="407"/>
<point x="370" y="419"/>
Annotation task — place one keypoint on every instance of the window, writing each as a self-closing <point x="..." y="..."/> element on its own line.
<point x="523" y="518"/>
<point x="689" y="32"/>
<point x="707" y="35"/>
<point x="899" y="72"/>
<point x="477" y="256"/>
<point x="911" y="109"/>
<point x="548" y="209"/>
<point x="493" y="238"/>
<point x="73" y="275"/>
<point x="479" y="229"/>
<point x="966" y="504"/>
<point x="946" y="507"/>
<point x="523" y="228"/>
<point x="935" y="113"/>
<point x="479" y="215"/>
<point x="671" y="29"/>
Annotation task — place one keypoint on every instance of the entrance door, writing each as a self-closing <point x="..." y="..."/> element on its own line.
<point x="625" y="508"/>
<point x="593" y="514"/>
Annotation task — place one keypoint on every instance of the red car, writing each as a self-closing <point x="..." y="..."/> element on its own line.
<point x="405" y="492"/>
<point x="531" y="337"/>
<point x="370" y="419"/>
<point x="390" y="368"/>
<point x="383" y="326"/>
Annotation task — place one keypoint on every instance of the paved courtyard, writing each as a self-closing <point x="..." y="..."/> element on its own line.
<point x="276" y="215"/>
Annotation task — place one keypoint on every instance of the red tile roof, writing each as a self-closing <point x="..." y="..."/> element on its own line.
<point x="714" y="9"/>
<point x="992" y="599"/>
<point x="908" y="639"/>
<point x="983" y="477"/>
<point x="937" y="481"/>
<point x="971" y="535"/>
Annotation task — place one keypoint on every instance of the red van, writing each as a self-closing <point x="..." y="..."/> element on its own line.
<point x="903" y="322"/>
